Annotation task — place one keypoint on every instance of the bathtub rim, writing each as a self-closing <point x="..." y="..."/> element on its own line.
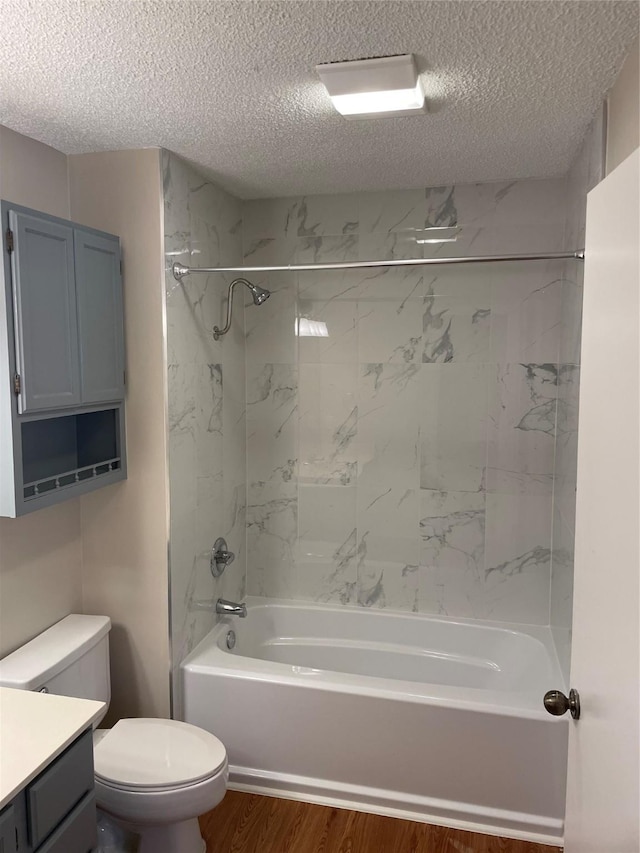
<point x="256" y="669"/>
<point x="538" y="632"/>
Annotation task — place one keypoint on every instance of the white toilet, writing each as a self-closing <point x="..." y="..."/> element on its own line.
<point x="154" y="776"/>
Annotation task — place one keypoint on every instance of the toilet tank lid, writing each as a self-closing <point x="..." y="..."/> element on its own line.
<point x="33" y="664"/>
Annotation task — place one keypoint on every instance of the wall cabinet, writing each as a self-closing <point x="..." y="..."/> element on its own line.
<point x="61" y="361"/>
<point x="56" y="813"/>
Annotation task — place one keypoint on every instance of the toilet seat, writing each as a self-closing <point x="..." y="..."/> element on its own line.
<point x="153" y="755"/>
<point x="141" y="789"/>
<point x="161" y="807"/>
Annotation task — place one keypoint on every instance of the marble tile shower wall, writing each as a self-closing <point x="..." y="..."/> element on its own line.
<point x="206" y="389"/>
<point x="401" y="422"/>
<point x="586" y="172"/>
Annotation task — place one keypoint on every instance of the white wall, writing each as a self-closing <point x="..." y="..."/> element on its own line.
<point x="106" y="552"/>
<point x="33" y="174"/>
<point x="588" y="168"/>
<point x="40" y="554"/>
<point x="623" y="133"/>
<point x="124" y="527"/>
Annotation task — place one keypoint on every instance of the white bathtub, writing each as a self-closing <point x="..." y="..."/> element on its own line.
<point x="418" y="717"/>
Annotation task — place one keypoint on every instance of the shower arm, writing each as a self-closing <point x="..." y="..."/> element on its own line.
<point x="218" y="333"/>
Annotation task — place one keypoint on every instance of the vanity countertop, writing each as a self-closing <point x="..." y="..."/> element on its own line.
<point x="34" y="729"/>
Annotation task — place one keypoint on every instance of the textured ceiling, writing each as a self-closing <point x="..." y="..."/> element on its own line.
<point x="231" y="85"/>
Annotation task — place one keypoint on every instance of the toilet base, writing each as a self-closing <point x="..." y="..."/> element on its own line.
<point x="183" y="837"/>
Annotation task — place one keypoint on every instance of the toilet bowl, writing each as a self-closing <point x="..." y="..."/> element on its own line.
<point x="156" y="776"/>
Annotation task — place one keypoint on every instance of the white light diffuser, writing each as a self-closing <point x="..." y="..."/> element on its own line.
<point x="374" y="88"/>
<point x="439" y="240"/>
<point x="306" y="328"/>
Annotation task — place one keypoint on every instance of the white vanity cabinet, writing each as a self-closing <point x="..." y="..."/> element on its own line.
<point x="62" y="369"/>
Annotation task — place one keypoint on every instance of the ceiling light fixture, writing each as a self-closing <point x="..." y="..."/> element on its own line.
<point x="374" y="88"/>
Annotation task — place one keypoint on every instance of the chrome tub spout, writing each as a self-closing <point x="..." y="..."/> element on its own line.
<point x="230" y="608"/>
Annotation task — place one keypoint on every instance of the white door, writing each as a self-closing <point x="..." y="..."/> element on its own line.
<point x="602" y="789"/>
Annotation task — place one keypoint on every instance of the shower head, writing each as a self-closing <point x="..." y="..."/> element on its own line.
<point x="259" y="294"/>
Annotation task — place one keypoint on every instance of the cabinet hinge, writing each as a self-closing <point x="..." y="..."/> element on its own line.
<point x="9" y="240"/>
<point x="121" y="268"/>
<point x="17" y="384"/>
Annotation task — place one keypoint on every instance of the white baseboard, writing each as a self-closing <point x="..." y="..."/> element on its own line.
<point x="447" y="813"/>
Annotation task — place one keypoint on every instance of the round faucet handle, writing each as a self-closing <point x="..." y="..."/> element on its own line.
<point x="220" y="558"/>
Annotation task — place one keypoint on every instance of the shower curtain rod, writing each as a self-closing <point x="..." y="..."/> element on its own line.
<point x="179" y="270"/>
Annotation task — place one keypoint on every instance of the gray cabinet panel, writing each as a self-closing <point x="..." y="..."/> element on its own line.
<point x="78" y="833"/>
<point x="8" y="832"/>
<point x="99" y="297"/>
<point x="57" y="812"/>
<point x="59" y="788"/>
<point x="45" y="313"/>
<point x="20" y="837"/>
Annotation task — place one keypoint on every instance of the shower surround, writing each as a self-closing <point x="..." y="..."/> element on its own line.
<point x="400" y="438"/>
<point x="401" y="423"/>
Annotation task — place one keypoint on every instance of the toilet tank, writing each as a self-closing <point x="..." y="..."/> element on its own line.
<point x="71" y="659"/>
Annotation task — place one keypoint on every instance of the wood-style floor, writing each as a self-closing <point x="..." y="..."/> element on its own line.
<point x="247" y="823"/>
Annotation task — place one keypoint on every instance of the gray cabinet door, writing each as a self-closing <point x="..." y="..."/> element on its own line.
<point x="45" y="313"/>
<point x="8" y="834"/>
<point x="100" y="325"/>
